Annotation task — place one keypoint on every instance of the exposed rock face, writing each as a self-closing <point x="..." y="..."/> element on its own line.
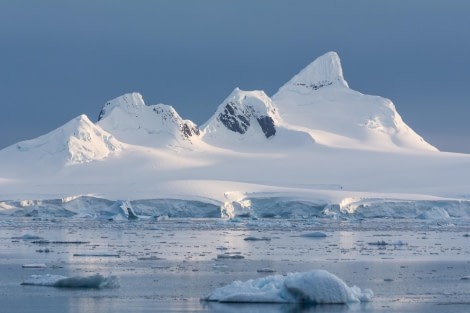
<point x="238" y="119"/>
<point x="267" y="125"/>
<point x="315" y="86"/>
<point x="233" y="120"/>
<point x="245" y="110"/>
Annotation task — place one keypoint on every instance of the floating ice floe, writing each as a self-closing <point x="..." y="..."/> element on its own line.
<point x="28" y="237"/>
<point x="315" y="234"/>
<point x="230" y="256"/>
<point x="314" y="287"/>
<point x="384" y="243"/>
<point x="106" y="255"/>
<point x="252" y="238"/>
<point x="266" y="270"/>
<point x="161" y="218"/>
<point x="96" y="281"/>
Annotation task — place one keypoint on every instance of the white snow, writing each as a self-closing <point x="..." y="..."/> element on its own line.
<point x="337" y="116"/>
<point x="248" y="104"/>
<point x="315" y="287"/>
<point x="314" y="149"/>
<point x="325" y="71"/>
<point x="133" y="122"/>
<point x="78" y="141"/>
<point x="43" y="280"/>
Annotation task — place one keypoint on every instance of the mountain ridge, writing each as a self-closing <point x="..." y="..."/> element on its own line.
<point x="313" y="149"/>
<point x="316" y="103"/>
<point x="318" y="100"/>
<point x="128" y="117"/>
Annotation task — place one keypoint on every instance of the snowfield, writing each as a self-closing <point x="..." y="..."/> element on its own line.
<point x="314" y="149"/>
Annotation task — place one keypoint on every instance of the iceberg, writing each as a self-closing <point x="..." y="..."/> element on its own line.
<point x="314" y="287"/>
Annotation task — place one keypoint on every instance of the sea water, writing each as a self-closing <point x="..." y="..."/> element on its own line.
<point x="170" y="265"/>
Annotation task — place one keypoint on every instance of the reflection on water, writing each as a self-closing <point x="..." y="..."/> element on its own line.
<point x="168" y="266"/>
<point x="283" y="308"/>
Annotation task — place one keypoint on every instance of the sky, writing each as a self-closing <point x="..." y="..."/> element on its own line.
<point x="60" y="59"/>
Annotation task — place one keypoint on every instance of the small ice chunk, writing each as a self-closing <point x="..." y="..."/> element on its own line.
<point x="378" y="243"/>
<point x="150" y="258"/>
<point x="161" y="218"/>
<point x="315" y="234"/>
<point x="27" y="237"/>
<point x="384" y="243"/>
<point x="266" y="270"/>
<point x="34" y="265"/>
<point x="230" y="256"/>
<point x="96" y="281"/>
<point x="41" y="242"/>
<point x="43" y="280"/>
<point x="220" y="267"/>
<point x="107" y="255"/>
<point x="252" y="238"/>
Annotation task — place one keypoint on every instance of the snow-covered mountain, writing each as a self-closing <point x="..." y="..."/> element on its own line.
<point x="315" y="103"/>
<point x="244" y="112"/>
<point x="131" y="121"/>
<point x="248" y="120"/>
<point x="77" y="141"/>
<point x="316" y="148"/>
<point x="319" y="101"/>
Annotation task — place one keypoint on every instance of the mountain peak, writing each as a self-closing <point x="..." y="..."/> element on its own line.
<point x="128" y="102"/>
<point x="77" y="141"/>
<point x="340" y="116"/>
<point x="324" y="71"/>
<point x="132" y="121"/>
<point x="244" y="112"/>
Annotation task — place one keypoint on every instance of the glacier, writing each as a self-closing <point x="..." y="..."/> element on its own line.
<point x="253" y="207"/>
<point x="314" y="149"/>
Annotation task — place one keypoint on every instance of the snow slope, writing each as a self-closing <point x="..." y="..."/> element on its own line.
<point x="248" y="120"/>
<point x="131" y="121"/>
<point x="78" y="141"/>
<point x="317" y="148"/>
<point x="244" y="112"/>
<point x="318" y="100"/>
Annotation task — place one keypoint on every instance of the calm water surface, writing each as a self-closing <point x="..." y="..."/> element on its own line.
<point x="412" y="266"/>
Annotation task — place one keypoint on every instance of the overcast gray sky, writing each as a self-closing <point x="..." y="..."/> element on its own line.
<point x="59" y="59"/>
